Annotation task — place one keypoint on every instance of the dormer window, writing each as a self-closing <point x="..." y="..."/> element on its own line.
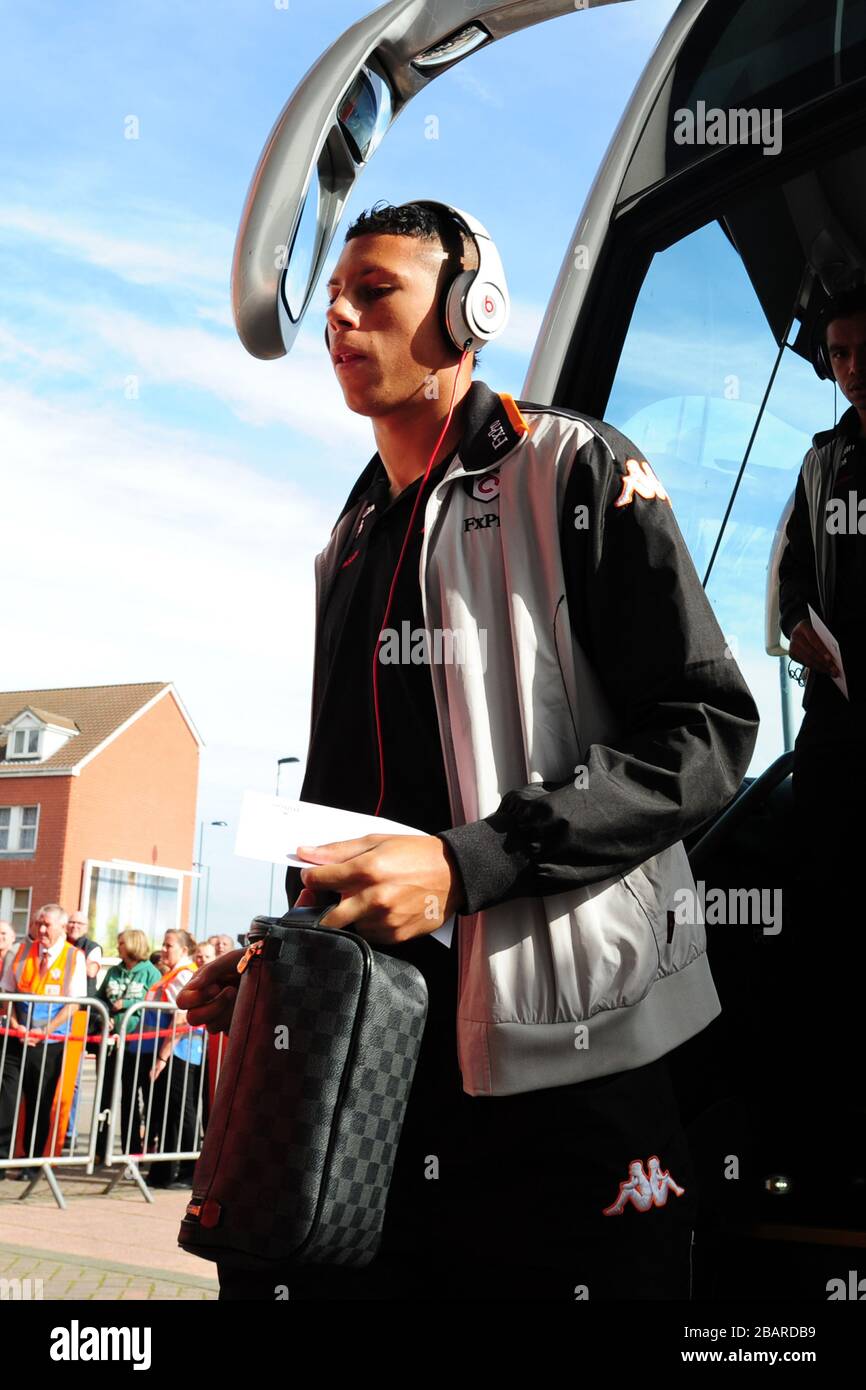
<point x="35" y="735"/>
<point x="25" y="743"/>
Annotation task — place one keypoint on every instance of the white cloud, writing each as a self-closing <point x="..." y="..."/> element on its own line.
<point x="220" y="313"/>
<point x="299" y="391"/>
<point x="147" y="558"/>
<point x="472" y="84"/>
<point x="524" y="321"/>
<point x="185" y="257"/>
<point x="13" y="348"/>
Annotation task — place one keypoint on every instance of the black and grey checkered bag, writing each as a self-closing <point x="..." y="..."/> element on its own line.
<point x="299" y="1148"/>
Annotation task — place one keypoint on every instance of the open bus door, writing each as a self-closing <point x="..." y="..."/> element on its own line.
<point x="328" y="131"/>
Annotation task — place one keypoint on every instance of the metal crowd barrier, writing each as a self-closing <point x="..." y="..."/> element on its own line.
<point x="47" y="1071"/>
<point x="156" y="1119"/>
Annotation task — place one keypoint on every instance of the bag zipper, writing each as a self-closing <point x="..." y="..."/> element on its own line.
<point x="252" y="950"/>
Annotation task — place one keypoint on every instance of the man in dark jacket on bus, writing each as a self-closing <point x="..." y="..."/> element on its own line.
<point x="824" y="566"/>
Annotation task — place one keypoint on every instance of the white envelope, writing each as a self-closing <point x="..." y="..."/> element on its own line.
<point x="832" y="647"/>
<point x="272" y="827"/>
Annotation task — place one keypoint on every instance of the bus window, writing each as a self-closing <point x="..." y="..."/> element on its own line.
<point x="749" y="56"/>
<point x="688" y="390"/>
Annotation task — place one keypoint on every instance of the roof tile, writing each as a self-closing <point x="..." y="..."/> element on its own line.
<point x="97" y="710"/>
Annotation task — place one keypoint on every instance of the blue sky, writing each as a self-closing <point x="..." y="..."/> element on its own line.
<point x="172" y="490"/>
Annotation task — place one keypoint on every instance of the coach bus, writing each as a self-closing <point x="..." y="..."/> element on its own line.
<point x="684" y="313"/>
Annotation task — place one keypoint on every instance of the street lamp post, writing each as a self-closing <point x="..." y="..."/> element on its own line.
<point x="206" y="896"/>
<point x="280" y="763"/>
<point x="200" y="867"/>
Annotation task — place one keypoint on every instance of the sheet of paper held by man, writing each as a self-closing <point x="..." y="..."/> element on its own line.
<point x="272" y="827"/>
<point x="832" y="647"/>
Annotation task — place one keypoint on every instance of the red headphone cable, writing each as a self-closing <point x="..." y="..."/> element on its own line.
<point x="394" y="583"/>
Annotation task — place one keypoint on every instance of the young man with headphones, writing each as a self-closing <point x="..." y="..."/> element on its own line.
<point x="578" y="717"/>
<point x="824" y="565"/>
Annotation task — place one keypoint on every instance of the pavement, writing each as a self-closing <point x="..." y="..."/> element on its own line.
<point x="103" y="1246"/>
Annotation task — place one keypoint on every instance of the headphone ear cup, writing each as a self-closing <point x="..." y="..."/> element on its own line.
<point x="818" y="351"/>
<point x="443" y="317"/>
<point x="457" y="328"/>
<point x="822" y="358"/>
<point x="486" y="309"/>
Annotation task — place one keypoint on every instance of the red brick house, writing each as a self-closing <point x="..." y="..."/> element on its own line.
<point x="98" y="789"/>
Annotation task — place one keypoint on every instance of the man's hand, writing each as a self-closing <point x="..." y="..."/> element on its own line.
<point x="806" y="647"/>
<point x="209" y="997"/>
<point x="391" y="888"/>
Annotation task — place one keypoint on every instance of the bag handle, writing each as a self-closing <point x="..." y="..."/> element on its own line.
<point x="308" y="916"/>
<point x="294" y="917"/>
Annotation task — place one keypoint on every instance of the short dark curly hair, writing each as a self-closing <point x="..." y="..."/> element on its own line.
<point x="427" y="224"/>
<point x="851" y="300"/>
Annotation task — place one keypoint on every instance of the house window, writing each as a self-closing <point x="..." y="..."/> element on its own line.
<point x="18" y="825"/>
<point x="25" y="743"/>
<point x="15" y="908"/>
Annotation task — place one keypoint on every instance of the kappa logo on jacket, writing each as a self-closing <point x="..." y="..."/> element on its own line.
<point x="365" y="513"/>
<point x="644" y="1190"/>
<point x="640" y="480"/>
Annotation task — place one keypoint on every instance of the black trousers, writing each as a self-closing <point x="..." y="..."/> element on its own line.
<point x="133" y="1088"/>
<point x="824" y="954"/>
<point x="173" y="1106"/>
<point x="29" y="1060"/>
<point x="829" y="766"/>
<point x="504" y="1197"/>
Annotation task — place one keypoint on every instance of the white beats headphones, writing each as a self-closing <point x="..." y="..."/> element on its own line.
<point x="476" y="304"/>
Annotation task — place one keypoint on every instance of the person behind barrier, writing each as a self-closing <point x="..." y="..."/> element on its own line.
<point x="175" y="1073"/>
<point x="44" y="967"/>
<point x="124" y="985"/>
<point x="76" y="932"/>
<point x="7" y="943"/>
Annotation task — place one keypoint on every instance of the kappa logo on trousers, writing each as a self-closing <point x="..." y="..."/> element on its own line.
<point x="644" y="1190"/>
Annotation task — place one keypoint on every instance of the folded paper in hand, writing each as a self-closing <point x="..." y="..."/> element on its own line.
<point x="272" y="827"/>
